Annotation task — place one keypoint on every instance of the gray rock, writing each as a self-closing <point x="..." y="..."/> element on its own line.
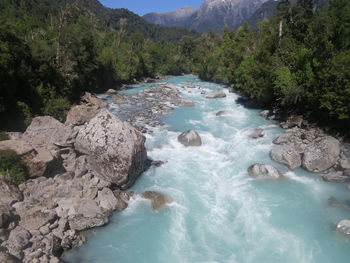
<point x="111" y="92"/>
<point x="343" y="227"/>
<point x="344" y="164"/>
<point x="72" y="239"/>
<point x="187" y="103"/>
<point x="19" y="238"/>
<point x="221" y="113"/>
<point x="91" y="100"/>
<point x="80" y="114"/>
<point x="293" y="121"/>
<point x="8" y="258"/>
<point x="119" y="99"/>
<point x="18" y="146"/>
<point x="264" y="171"/>
<point x="215" y="94"/>
<point x="190" y="138"/>
<point x="6" y="216"/>
<point x="106" y="199"/>
<point x="286" y="154"/>
<point x="265" y="114"/>
<point x="321" y="155"/>
<point x="9" y="194"/>
<point x="158" y="200"/>
<point x="337" y="176"/>
<point x="257" y="133"/>
<point x="115" y="149"/>
<point x="81" y="223"/>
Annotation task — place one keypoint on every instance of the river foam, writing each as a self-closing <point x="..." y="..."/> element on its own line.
<point x="219" y="214"/>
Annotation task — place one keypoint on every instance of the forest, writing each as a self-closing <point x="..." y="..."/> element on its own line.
<point x="52" y="51"/>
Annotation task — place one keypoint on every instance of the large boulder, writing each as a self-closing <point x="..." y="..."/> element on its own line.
<point x="321" y="155"/>
<point x="9" y="193"/>
<point x="215" y="94"/>
<point x="115" y="149"/>
<point x="264" y="171"/>
<point x="44" y="131"/>
<point x="158" y="200"/>
<point x="336" y="176"/>
<point x="80" y="114"/>
<point x="286" y="154"/>
<point x="20" y="147"/>
<point x="190" y="138"/>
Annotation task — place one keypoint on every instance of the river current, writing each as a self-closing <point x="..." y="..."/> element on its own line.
<point x="219" y="214"/>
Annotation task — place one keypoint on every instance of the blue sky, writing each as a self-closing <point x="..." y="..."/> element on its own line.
<point x="142" y="7"/>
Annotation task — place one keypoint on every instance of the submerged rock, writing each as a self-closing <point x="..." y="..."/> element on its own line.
<point x="190" y="138"/>
<point x="187" y="103"/>
<point x="336" y="176"/>
<point x="111" y="92"/>
<point x="264" y="171"/>
<point x="215" y="94"/>
<point x="286" y="154"/>
<point x="158" y="200"/>
<point x="116" y="150"/>
<point x="257" y="133"/>
<point x="343" y="227"/>
<point x="221" y="113"/>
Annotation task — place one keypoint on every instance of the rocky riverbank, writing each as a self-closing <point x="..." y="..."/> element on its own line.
<point x="77" y="171"/>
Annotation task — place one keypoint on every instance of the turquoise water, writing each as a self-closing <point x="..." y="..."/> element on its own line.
<point x="219" y="214"/>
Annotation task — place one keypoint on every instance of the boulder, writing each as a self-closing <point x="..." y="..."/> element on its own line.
<point x="116" y="150"/>
<point x="92" y="100"/>
<point x="80" y="114"/>
<point x="343" y="227"/>
<point x="107" y="200"/>
<point x="337" y="176"/>
<point x="293" y="121"/>
<point x="19" y="238"/>
<point x="44" y="131"/>
<point x="9" y="194"/>
<point x="8" y="258"/>
<point x="190" y="138"/>
<point x="158" y="200"/>
<point x="111" y="92"/>
<point x="286" y="154"/>
<point x="215" y="94"/>
<point x="257" y="133"/>
<point x="72" y="239"/>
<point x="344" y="164"/>
<point x="265" y="114"/>
<point x="264" y="171"/>
<point x="18" y="146"/>
<point x="6" y="216"/>
<point x="321" y="155"/>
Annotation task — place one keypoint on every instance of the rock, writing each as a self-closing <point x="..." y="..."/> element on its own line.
<point x="81" y="223"/>
<point x="286" y="154"/>
<point x="9" y="194"/>
<point x="19" y="238"/>
<point x="221" y="113"/>
<point x="215" y="94"/>
<point x="8" y="258"/>
<point x="293" y="121"/>
<point x="115" y="149"/>
<point x="190" y="138"/>
<point x="158" y="200"/>
<point x="344" y="164"/>
<point x="187" y="103"/>
<point x="34" y="217"/>
<point x="44" y="131"/>
<point x="18" y="146"/>
<point x="6" y="216"/>
<point x="285" y="138"/>
<point x="265" y="114"/>
<point x="231" y="89"/>
<point x="111" y="92"/>
<point x="92" y="100"/>
<point x="80" y="114"/>
<point x="119" y="99"/>
<point x="257" y="133"/>
<point x="264" y="171"/>
<point x="43" y="163"/>
<point x="158" y="163"/>
<point x="321" y="155"/>
<point x="337" y="176"/>
<point x="72" y="239"/>
<point x="107" y="200"/>
<point x="343" y="227"/>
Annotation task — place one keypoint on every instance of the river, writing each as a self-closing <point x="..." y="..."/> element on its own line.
<point x="219" y="214"/>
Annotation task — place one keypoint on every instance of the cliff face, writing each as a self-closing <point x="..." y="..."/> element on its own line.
<point x="213" y="14"/>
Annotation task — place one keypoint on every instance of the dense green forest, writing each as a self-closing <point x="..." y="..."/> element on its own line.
<point x="51" y="51"/>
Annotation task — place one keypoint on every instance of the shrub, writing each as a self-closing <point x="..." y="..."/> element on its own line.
<point x="12" y="165"/>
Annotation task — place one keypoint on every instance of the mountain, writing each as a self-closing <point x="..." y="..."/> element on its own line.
<point x="212" y="14"/>
<point x="215" y="14"/>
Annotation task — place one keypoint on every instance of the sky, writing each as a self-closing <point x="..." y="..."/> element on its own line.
<point x="142" y="7"/>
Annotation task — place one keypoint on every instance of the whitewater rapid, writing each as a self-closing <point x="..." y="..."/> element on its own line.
<point x="219" y="214"/>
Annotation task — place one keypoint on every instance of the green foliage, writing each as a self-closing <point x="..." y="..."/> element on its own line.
<point x="12" y="165"/>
